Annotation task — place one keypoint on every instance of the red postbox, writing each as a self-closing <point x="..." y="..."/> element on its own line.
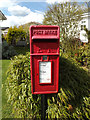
<point x="44" y="58"/>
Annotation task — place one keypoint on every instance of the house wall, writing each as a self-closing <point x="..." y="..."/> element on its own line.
<point x="4" y="32"/>
<point x="84" y="23"/>
<point x="0" y="44"/>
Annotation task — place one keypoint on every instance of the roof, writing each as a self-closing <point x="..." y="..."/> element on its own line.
<point x="4" y="28"/>
<point x="2" y="16"/>
<point x="86" y="14"/>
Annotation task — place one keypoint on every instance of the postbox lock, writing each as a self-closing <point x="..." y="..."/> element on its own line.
<point x="44" y="57"/>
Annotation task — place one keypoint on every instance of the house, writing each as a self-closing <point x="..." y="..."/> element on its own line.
<point x="2" y="17"/>
<point x="84" y="24"/>
<point x="4" y="30"/>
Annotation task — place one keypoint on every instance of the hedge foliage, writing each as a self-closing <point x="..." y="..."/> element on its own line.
<point x="15" y="34"/>
<point x="82" y="55"/>
<point x="8" y="51"/>
<point x="72" y="101"/>
<point x="19" y="89"/>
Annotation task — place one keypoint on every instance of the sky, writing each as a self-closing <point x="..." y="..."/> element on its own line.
<point x="20" y="12"/>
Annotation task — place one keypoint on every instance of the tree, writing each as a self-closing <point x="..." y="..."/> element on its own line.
<point x="67" y="16"/>
<point x="15" y="34"/>
<point x="26" y="28"/>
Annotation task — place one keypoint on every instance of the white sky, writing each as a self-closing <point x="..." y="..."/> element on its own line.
<point x="23" y="14"/>
<point x="18" y="14"/>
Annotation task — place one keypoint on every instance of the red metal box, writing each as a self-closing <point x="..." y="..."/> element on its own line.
<point x="44" y="58"/>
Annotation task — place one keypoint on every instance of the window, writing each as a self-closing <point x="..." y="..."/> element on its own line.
<point x="83" y="27"/>
<point x="83" y="21"/>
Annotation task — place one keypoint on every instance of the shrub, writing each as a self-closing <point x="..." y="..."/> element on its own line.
<point x="8" y="51"/>
<point x="72" y="101"/>
<point x="25" y="105"/>
<point x="15" y="34"/>
<point x="3" y="37"/>
<point x="83" y="55"/>
<point x="80" y="56"/>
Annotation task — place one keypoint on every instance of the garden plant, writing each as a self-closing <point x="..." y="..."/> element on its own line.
<point x="71" y="102"/>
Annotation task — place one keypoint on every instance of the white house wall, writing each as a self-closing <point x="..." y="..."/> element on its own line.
<point x="89" y="23"/>
<point x="83" y="35"/>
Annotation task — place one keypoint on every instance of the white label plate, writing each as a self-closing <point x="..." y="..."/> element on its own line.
<point x="45" y="72"/>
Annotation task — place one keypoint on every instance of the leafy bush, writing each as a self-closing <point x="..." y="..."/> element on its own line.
<point x="3" y="37"/>
<point x="15" y="34"/>
<point x="7" y="50"/>
<point x="72" y="101"/>
<point x="19" y="89"/>
<point x="83" y="55"/>
<point x="80" y="56"/>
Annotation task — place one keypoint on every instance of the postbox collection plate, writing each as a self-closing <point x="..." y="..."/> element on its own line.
<point x="44" y="58"/>
<point x="45" y="72"/>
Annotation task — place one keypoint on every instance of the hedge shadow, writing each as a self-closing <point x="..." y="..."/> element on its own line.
<point x="74" y="79"/>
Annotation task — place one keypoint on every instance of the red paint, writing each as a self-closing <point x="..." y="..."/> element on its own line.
<point x="44" y="40"/>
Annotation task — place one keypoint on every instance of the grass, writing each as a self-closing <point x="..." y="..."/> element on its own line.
<point x="6" y="108"/>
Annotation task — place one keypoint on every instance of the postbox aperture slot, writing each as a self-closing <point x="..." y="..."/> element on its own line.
<point x="45" y="40"/>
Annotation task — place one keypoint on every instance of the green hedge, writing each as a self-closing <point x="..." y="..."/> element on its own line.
<point x="19" y="89"/>
<point x="8" y="51"/>
<point x="83" y="55"/>
<point x="72" y="101"/>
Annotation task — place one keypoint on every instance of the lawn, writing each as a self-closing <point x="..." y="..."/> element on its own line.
<point x="6" y="108"/>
